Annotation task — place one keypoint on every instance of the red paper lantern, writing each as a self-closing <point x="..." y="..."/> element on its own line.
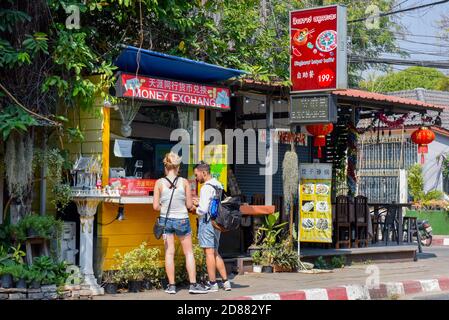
<point x="319" y="132"/>
<point x="422" y="137"/>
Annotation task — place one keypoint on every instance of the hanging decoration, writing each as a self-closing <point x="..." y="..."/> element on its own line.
<point x="422" y="137"/>
<point x="128" y="109"/>
<point x="392" y="123"/>
<point x="319" y="132"/>
<point x="352" y="159"/>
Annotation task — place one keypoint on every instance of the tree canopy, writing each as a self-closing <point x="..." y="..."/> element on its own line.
<point x="44" y="63"/>
<point x="408" y="79"/>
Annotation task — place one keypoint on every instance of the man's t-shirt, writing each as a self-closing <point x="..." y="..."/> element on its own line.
<point x="206" y="195"/>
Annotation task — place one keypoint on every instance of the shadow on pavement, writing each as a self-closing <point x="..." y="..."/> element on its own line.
<point x="426" y="255"/>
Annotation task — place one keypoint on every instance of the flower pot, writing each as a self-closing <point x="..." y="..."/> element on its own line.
<point x="111" y="288"/>
<point x="267" y="269"/>
<point x="21" y="284"/>
<point x="277" y="268"/>
<point x="35" y="285"/>
<point x="257" y="268"/>
<point x="7" y="281"/>
<point x="253" y="249"/>
<point x="146" y="285"/>
<point x="134" y="286"/>
<point x="32" y="233"/>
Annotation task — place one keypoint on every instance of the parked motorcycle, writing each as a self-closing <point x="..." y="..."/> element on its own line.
<point x="425" y="232"/>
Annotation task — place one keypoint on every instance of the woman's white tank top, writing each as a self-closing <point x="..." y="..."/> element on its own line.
<point x="178" y="209"/>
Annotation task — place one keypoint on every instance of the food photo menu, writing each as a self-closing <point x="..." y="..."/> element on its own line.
<point x="315" y="210"/>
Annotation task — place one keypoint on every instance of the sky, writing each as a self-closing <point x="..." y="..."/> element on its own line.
<point x="422" y="26"/>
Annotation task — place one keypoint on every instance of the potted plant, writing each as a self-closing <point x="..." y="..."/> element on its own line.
<point x="111" y="280"/>
<point x="257" y="260"/>
<point x="284" y="258"/>
<point x="6" y="272"/>
<point x="132" y="266"/>
<point x="33" y="278"/>
<point x="18" y="272"/>
<point x="45" y="266"/>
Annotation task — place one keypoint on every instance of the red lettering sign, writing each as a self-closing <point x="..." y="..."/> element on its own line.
<point x="318" y="49"/>
<point x="171" y="91"/>
<point x="133" y="187"/>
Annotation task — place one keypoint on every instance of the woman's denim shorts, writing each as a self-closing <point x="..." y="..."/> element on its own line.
<point x="180" y="227"/>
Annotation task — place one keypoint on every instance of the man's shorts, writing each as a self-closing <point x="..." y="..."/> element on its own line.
<point x="208" y="236"/>
<point x="180" y="227"/>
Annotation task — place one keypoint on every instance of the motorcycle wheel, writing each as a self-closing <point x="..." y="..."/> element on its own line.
<point x="426" y="240"/>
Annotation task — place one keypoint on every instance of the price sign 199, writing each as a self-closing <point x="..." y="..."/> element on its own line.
<point x="325" y="77"/>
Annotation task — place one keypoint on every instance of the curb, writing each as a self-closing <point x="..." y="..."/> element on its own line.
<point x="443" y="241"/>
<point x="357" y="292"/>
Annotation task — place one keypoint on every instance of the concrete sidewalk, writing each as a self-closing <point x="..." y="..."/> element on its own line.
<point x="433" y="263"/>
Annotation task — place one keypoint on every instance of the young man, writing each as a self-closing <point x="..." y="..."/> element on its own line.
<point x="208" y="236"/>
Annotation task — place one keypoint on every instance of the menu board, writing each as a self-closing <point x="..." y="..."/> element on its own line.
<point x="320" y="108"/>
<point x="315" y="209"/>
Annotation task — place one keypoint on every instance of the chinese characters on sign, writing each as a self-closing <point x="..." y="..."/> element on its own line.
<point x="318" y="108"/>
<point x="315" y="202"/>
<point x="133" y="187"/>
<point x="147" y="88"/>
<point x="318" y="49"/>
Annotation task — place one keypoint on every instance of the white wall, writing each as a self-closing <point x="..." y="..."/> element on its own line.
<point x="433" y="178"/>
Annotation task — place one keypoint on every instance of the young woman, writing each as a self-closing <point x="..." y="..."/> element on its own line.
<point x="177" y="220"/>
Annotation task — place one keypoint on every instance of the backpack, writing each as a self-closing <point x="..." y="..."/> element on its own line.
<point x="225" y="215"/>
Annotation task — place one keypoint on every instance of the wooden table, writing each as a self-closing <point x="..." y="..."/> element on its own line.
<point x="399" y="217"/>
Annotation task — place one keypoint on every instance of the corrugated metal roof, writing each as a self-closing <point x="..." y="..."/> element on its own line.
<point x="439" y="98"/>
<point x="379" y="97"/>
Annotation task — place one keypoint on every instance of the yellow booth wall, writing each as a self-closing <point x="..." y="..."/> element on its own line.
<point x="129" y="233"/>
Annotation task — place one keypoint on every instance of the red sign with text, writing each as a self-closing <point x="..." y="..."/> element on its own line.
<point x="133" y="187"/>
<point x="314" y="49"/>
<point x="148" y="88"/>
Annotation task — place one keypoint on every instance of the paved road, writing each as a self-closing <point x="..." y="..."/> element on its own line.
<point x="432" y="263"/>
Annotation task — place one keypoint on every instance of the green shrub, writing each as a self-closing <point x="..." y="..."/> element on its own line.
<point x="139" y="264"/>
<point x="257" y="257"/>
<point x="338" y="261"/>
<point x="285" y="256"/>
<point x="433" y="195"/>
<point x="46" y="226"/>
<point x="51" y="272"/>
<point x="320" y="263"/>
<point x="181" y="275"/>
<point x="415" y="182"/>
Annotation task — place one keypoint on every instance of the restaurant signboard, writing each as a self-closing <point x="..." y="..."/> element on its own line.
<point x="172" y="91"/>
<point x="315" y="210"/>
<point x="313" y="108"/>
<point x="318" y="57"/>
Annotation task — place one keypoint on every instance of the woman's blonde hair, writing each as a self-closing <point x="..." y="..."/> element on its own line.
<point x="172" y="161"/>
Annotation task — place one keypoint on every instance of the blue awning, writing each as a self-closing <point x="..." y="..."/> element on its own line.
<point x="166" y="66"/>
